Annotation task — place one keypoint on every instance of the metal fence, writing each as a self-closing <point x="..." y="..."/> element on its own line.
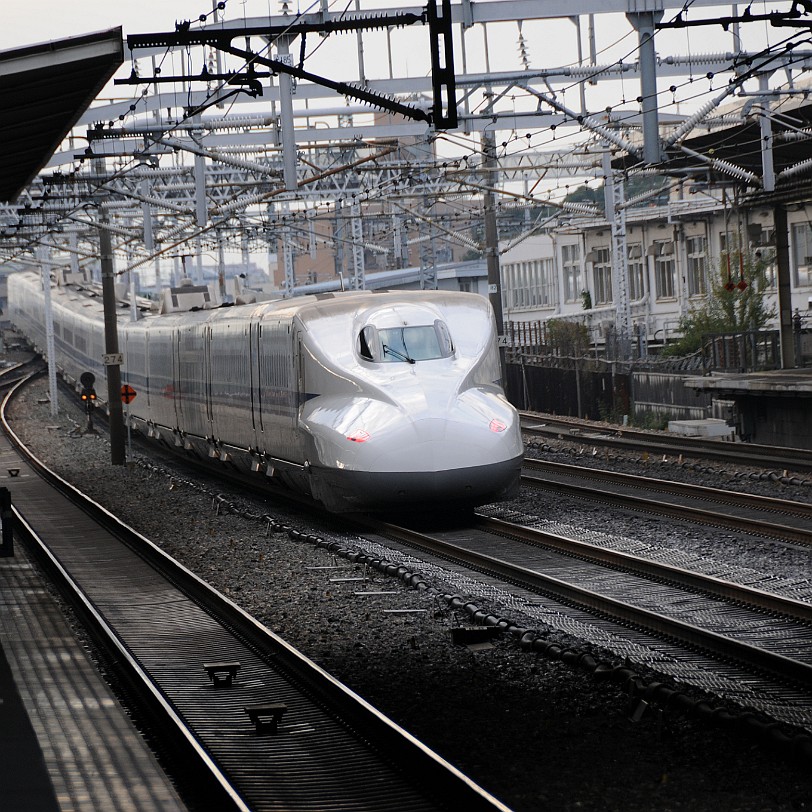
<point x="606" y="390"/>
<point x="749" y="351"/>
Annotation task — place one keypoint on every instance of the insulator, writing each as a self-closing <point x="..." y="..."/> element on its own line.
<point x="735" y="171"/>
<point x="791" y="135"/>
<point x="693" y="120"/>
<point x="580" y="208"/>
<point x="796" y="169"/>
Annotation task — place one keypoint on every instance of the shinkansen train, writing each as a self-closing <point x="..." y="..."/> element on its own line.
<point x="366" y="401"/>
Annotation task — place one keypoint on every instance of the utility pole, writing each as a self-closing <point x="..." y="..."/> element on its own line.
<point x="112" y="357"/>
<point x="783" y="266"/>
<point x="614" y="198"/>
<point x="358" y="266"/>
<point x="492" y="239"/>
<point x="644" y="22"/>
<point x="782" y="254"/>
<point x="43" y="255"/>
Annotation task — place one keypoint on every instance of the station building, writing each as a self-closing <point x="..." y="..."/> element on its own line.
<point x="674" y="253"/>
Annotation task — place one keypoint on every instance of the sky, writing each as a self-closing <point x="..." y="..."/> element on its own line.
<point x="33" y="21"/>
<point x="550" y="43"/>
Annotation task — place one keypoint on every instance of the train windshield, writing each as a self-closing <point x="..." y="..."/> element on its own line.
<point x="405" y="344"/>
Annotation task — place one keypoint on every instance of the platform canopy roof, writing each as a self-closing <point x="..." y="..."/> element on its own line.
<point x="741" y="146"/>
<point x="44" y="89"/>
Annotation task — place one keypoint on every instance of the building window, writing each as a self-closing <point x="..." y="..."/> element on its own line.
<point x="762" y="248"/>
<point x="636" y="271"/>
<point x="528" y="284"/>
<point x="697" y="265"/>
<point x="802" y="255"/>
<point x="545" y="293"/>
<point x="602" y="275"/>
<point x="664" y="270"/>
<point x="571" y="264"/>
<point x="765" y="255"/>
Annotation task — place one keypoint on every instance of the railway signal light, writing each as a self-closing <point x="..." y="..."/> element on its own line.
<point x="88" y="397"/>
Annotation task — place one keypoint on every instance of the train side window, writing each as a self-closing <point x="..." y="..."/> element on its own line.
<point x="369" y="343"/>
<point x="444" y="338"/>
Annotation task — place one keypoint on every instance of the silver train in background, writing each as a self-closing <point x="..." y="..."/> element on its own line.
<point x="366" y="401"/>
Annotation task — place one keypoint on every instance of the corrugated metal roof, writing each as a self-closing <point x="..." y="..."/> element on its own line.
<point x="741" y="145"/>
<point x="44" y="89"/>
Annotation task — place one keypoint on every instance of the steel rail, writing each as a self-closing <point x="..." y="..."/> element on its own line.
<point x="688" y="634"/>
<point x="725" y="590"/>
<point x="783" y="532"/>
<point x="438" y="783"/>
<point x="624" y="437"/>
<point x="729" y="497"/>
<point x="206" y="768"/>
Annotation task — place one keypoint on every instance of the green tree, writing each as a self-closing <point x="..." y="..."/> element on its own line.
<point x="567" y="338"/>
<point x="734" y="304"/>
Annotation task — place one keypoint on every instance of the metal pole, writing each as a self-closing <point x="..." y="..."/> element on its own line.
<point x="45" y="267"/>
<point x="614" y="195"/>
<point x="643" y="22"/>
<point x="286" y="91"/>
<point x="129" y="436"/>
<point x="117" y="456"/>
<point x="766" y="132"/>
<point x="492" y="240"/>
<point x="221" y="267"/>
<point x="201" y="209"/>
<point x="199" y="263"/>
<point x="358" y="267"/>
<point x="288" y="266"/>
<point x="146" y="212"/>
<point x="74" y="257"/>
<point x="782" y="264"/>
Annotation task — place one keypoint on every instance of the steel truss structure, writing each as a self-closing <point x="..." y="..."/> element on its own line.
<point x="244" y="147"/>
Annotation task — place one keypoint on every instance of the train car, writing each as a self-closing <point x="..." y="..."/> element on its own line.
<point x="366" y="401"/>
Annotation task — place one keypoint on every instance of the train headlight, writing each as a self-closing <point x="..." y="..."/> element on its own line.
<point x="497" y="425"/>
<point x="359" y="436"/>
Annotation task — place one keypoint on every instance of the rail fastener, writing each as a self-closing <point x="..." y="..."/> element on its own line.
<point x="266" y="717"/>
<point x="222" y="674"/>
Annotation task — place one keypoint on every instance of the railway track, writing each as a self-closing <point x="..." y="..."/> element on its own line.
<point x="624" y="438"/>
<point x="715" y="634"/>
<point x="783" y="519"/>
<point x="251" y="723"/>
<point x="10" y="376"/>
<point x="758" y="657"/>
<point x="742" y="671"/>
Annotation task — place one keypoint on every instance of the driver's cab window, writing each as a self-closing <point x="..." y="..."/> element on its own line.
<point x="405" y="344"/>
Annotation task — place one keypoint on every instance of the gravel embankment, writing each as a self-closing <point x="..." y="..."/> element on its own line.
<point x="537" y="733"/>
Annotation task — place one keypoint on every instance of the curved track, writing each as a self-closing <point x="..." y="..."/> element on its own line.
<point x="162" y="626"/>
<point x="607" y="596"/>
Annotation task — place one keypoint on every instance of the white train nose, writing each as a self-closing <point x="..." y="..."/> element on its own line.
<point x="433" y="444"/>
<point x="470" y="455"/>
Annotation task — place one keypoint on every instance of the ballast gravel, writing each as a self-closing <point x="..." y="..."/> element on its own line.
<point x="537" y="733"/>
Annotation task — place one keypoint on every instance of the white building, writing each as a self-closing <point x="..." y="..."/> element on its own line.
<point x="673" y="253"/>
